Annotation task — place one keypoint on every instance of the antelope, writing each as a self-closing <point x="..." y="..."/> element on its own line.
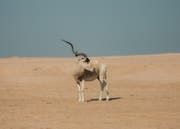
<point x="87" y="70"/>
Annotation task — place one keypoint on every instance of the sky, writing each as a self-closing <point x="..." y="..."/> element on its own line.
<point x="34" y="28"/>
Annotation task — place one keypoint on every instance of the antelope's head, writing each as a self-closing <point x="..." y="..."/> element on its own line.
<point x="81" y="56"/>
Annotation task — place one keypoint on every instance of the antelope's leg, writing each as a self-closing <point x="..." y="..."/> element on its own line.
<point x="82" y="91"/>
<point x="107" y="90"/>
<point x="101" y="90"/>
<point x="100" y="94"/>
<point x="79" y="92"/>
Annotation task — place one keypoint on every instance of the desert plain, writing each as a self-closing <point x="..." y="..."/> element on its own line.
<point x="40" y="93"/>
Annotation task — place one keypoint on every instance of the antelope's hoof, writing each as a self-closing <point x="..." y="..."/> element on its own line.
<point x="107" y="99"/>
<point x="81" y="101"/>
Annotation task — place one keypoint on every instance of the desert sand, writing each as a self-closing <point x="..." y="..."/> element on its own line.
<point x="40" y="93"/>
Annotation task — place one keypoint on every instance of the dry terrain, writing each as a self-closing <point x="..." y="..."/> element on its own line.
<point x="40" y="93"/>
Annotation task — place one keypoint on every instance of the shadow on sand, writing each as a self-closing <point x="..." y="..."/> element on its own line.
<point x="104" y="99"/>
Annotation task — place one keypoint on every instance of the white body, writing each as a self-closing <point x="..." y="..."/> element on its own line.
<point x="81" y="74"/>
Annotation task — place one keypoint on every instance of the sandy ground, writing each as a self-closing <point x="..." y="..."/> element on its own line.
<point x="40" y="93"/>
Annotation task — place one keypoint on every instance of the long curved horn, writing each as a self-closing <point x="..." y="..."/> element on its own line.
<point x="82" y="54"/>
<point x="76" y="53"/>
<point x="72" y="47"/>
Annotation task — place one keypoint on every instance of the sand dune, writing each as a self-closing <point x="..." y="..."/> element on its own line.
<point x="40" y="93"/>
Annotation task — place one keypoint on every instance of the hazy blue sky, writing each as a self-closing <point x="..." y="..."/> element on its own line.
<point x="97" y="27"/>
